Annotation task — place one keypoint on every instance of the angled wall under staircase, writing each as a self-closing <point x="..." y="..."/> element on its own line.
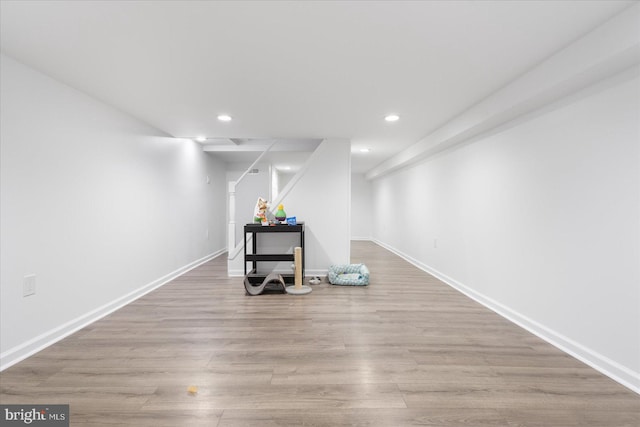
<point x="319" y="194"/>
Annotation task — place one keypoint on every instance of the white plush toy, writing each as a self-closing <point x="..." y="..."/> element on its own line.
<point x="260" y="212"/>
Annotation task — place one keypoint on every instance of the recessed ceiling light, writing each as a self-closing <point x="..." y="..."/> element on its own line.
<point x="364" y="150"/>
<point x="201" y="138"/>
<point x="392" y="118"/>
<point x="286" y="168"/>
<point x="224" y="118"/>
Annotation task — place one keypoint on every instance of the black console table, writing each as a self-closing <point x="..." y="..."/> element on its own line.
<point x="254" y="257"/>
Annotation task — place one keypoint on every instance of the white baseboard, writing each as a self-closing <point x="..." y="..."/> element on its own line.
<point x="235" y="273"/>
<point x="320" y="272"/>
<point x="603" y="364"/>
<point x="364" y="239"/>
<point x="34" y="345"/>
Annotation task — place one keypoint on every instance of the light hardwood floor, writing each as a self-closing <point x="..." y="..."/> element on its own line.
<point x="407" y="350"/>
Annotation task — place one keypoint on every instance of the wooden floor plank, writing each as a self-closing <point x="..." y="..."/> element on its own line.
<point x="406" y="350"/>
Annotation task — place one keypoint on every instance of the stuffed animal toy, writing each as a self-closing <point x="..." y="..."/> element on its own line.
<point x="260" y="212"/>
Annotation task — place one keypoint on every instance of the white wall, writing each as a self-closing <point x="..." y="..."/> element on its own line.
<point x="248" y="190"/>
<point x="99" y="206"/>
<point x="283" y="179"/>
<point x="319" y="196"/>
<point x="540" y="221"/>
<point x="361" y="207"/>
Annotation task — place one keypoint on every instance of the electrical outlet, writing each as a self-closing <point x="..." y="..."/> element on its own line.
<point x="208" y="180"/>
<point x="29" y="285"/>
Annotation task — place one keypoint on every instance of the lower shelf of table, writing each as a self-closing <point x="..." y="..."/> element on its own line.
<point x="269" y="257"/>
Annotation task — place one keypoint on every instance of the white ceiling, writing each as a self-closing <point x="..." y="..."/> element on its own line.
<point x="294" y="69"/>
<point x="287" y="156"/>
